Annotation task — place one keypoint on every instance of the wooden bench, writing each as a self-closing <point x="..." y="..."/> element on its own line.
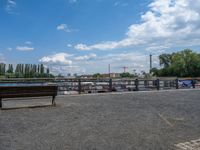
<point x="28" y="91"/>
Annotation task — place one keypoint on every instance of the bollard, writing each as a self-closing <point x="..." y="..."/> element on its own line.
<point x="177" y="87"/>
<point x="158" y="84"/>
<point x="110" y="85"/>
<point x="136" y="84"/>
<point x="79" y="86"/>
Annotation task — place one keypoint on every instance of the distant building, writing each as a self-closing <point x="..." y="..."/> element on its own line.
<point x="115" y="75"/>
<point x="112" y="75"/>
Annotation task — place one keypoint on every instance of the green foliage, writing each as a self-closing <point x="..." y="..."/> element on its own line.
<point x="10" y="68"/>
<point x="165" y="59"/>
<point x="126" y="75"/>
<point x="145" y="75"/>
<point x="185" y="63"/>
<point x="2" y="69"/>
<point x="97" y="75"/>
<point x="9" y="75"/>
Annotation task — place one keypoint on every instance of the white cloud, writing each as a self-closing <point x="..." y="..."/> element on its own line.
<point x="57" y="59"/>
<point x="86" y="57"/>
<point x="69" y="45"/>
<point x="10" y="6"/>
<point x="167" y="21"/>
<point x="92" y="63"/>
<point x="61" y="27"/>
<point x="64" y="70"/>
<point x="106" y="45"/>
<point x="60" y="63"/>
<point x="66" y="28"/>
<point x="157" y="48"/>
<point x="24" y="48"/>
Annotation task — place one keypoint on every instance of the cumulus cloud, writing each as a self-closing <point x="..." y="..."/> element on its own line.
<point x="61" y="63"/>
<point x="86" y="57"/>
<point x="168" y="21"/>
<point x="24" y="48"/>
<point x="57" y="59"/>
<point x="64" y="70"/>
<point x="158" y="48"/>
<point x="65" y="63"/>
<point x="106" y="45"/>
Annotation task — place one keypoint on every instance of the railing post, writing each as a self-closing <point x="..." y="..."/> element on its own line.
<point x="136" y="84"/>
<point x="53" y="101"/>
<point x="193" y="83"/>
<point x="145" y="83"/>
<point x="79" y="86"/>
<point x="158" y="84"/>
<point x="0" y="103"/>
<point x="177" y="83"/>
<point x="110" y="85"/>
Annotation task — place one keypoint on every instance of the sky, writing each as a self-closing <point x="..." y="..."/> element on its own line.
<point x="85" y="36"/>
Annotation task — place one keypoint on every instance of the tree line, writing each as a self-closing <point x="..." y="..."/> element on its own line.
<point x="24" y="71"/>
<point x="185" y="63"/>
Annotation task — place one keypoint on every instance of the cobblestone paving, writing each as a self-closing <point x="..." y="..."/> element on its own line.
<point x="127" y="121"/>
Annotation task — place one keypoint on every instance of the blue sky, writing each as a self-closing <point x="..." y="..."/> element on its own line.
<point x="84" y="36"/>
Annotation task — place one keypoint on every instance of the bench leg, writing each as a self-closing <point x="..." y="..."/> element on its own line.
<point x="0" y="102"/>
<point x="53" y="101"/>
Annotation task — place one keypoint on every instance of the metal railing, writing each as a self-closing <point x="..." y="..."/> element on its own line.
<point x="82" y="85"/>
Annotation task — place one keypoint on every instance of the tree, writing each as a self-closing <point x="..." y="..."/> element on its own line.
<point x="41" y="68"/>
<point x="126" y="75"/>
<point x="185" y="63"/>
<point x="48" y="71"/>
<point x="97" y="75"/>
<point x="24" y="71"/>
<point x="165" y="59"/>
<point x="2" y="69"/>
<point x="10" y="68"/>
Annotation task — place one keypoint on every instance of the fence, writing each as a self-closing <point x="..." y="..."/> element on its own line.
<point x="79" y="86"/>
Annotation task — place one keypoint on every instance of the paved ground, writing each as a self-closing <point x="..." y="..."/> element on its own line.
<point x="136" y="121"/>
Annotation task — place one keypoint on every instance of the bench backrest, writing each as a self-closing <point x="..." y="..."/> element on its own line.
<point x="27" y="91"/>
